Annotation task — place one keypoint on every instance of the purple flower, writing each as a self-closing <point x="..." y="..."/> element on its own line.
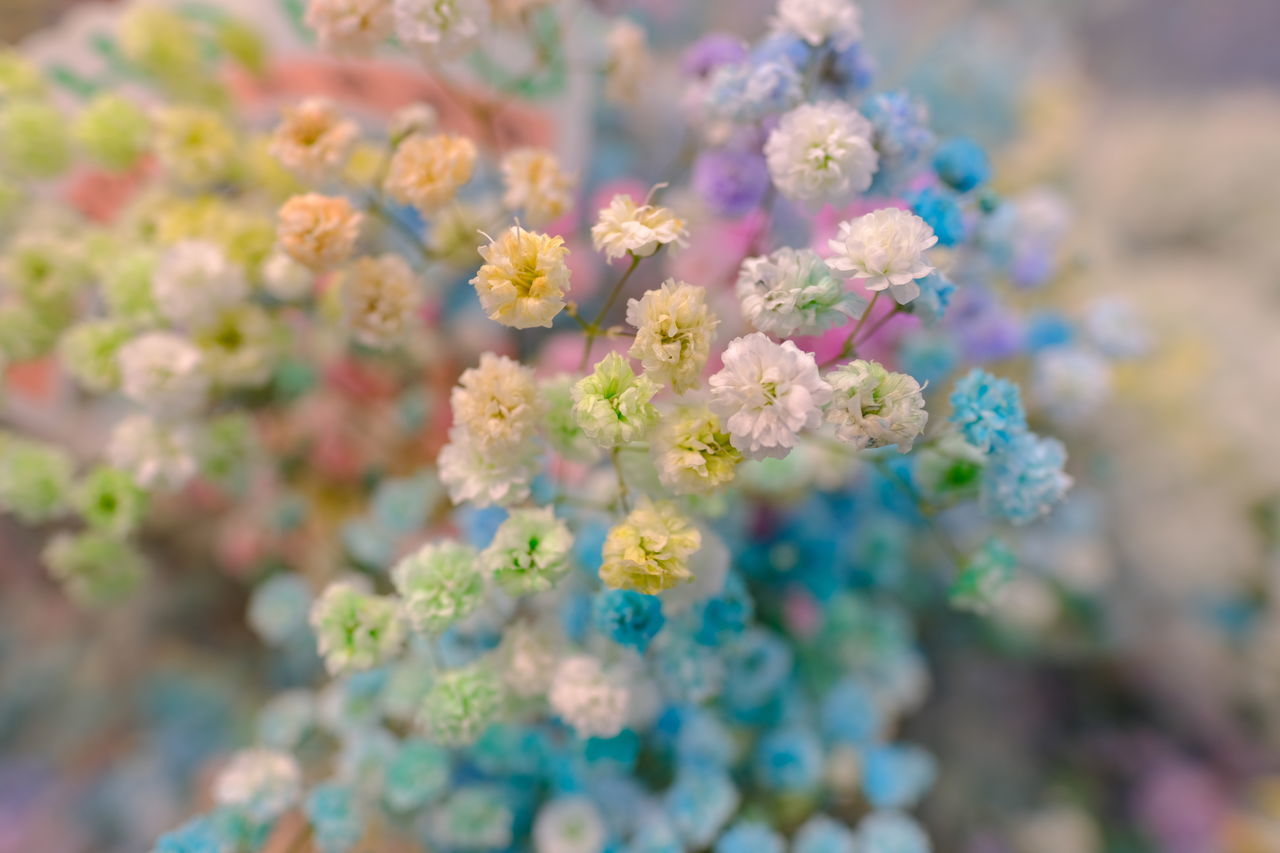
<point x="710" y="52"/>
<point x="732" y="182"/>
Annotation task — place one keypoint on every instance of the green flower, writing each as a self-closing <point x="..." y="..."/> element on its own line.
<point x="19" y="76"/>
<point x="113" y="131"/>
<point x="612" y="404"/>
<point x="95" y="568"/>
<point x="25" y="332"/>
<point x="195" y="145"/>
<point x="418" y="774"/>
<point x="88" y="352"/>
<point x="33" y="139"/>
<point x="35" y="479"/>
<point x="126" y="287"/>
<point x="529" y="553"/>
<point x="979" y="584"/>
<point x="693" y="452"/>
<point x="439" y="584"/>
<point x="110" y="501"/>
<point x="354" y="629"/>
<point x="462" y="704"/>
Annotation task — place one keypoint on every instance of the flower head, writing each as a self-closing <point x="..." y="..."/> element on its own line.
<point x="529" y="553"/>
<point x="439" y="584"/>
<point x="629" y="62"/>
<point x="35" y="479"/>
<point x="533" y="182"/>
<point x="194" y="144"/>
<point x="262" y="782"/>
<point x="674" y="327"/>
<point x="693" y="452"/>
<point x="612" y="404"/>
<point x="462" y="704"/>
<point x="872" y="407"/>
<point x="428" y="171"/>
<point x="475" y="474"/>
<point x="988" y="410"/>
<point x="649" y="550"/>
<point x="592" y="700"/>
<point x="89" y="352"/>
<point x="351" y="27"/>
<point x="627" y="617"/>
<point x="380" y="298"/>
<point x="523" y="279"/>
<point x="793" y="292"/>
<point x="1024" y="478"/>
<point x="193" y="280"/>
<point x="163" y="372"/>
<point x="113" y="131"/>
<point x="444" y="28"/>
<point x="95" y="568"/>
<point x="354" y="629"/>
<point x="819" y="21"/>
<point x="821" y="154"/>
<point x="625" y="227"/>
<point x="318" y="231"/>
<point x="156" y="454"/>
<point x="497" y="402"/>
<point x="887" y="248"/>
<point x="313" y="140"/>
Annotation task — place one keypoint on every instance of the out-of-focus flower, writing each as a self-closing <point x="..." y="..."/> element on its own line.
<point x="534" y="183"/>
<point x="477" y="475"/>
<point x="821" y="154"/>
<point x="819" y="21"/>
<point x="164" y="373"/>
<point x="428" y="171"/>
<point x="154" y="453"/>
<point x="194" y="280"/>
<point x="113" y="131"/>
<point x="380" y="299"/>
<point x="441" y="28"/>
<point x="793" y="292"/>
<point x="462" y="704"/>
<point x="529" y="553"/>
<point x="318" y="231"/>
<point x="354" y="629"/>
<point x="569" y="824"/>
<point x="194" y="145"/>
<point x="1024" y="479"/>
<point x="497" y="403"/>
<point x="350" y="27"/>
<point x="33" y="138"/>
<point x="312" y="139"/>
<point x="440" y="583"/>
<point x="628" y="63"/>
<point x="262" y="782"/>
<point x="95" y="568"/>
<point x="592" y="700"/>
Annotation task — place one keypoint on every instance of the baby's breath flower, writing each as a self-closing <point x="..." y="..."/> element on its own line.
<point x="819" y="21"/>
<point x="194" y="280"/>
<point x="25" y="331"/>
<point x="350" y="27"/>
<point x="89" y="351"/>
<point x="241" y="345"/>
<point x="19" y="76"/>
<point x="109" y="501"/>
<point x="649" y="550"/>
<point x="164" y="373"/>
<point x="562" y="431"/>
<point x="318" y="231"/>
<point x="534" y="183"/>
<point x="126" y="287"/>
<point x="591" y="699"/>
<point x="766" y="394"/>
<point x="821" y="154"/>
<point x="154" y="453"/>
<point x="43" y="269"/>
<point x="629" y="61"/>
<point x="569" y="824"/>
<point x="527" y="659"/>
<point x="475" y="817"/>
<point x="482" y="477"/>
<point x="529" y="553"/>
<point x="462" y="704"/>
<point x="263" y="783"/>
<point x="872" y="407"/>
<point x="439" y="584"/>
<point x="113" y="131"/>
<point x="35" y="479"/>
<point x="523" y="279"/>
<point x="94" y="568"/>
<point x="441" y="28"/>
<point x="497" y="403"/>
<point x="34" y="139"/>
<point x="886" y="248"/>
<point x="380" y="299"/>
<point x="693" y="452"/>
<point x="159" y="40"/>
<point x="674" y="327"/>
<point x="612" y="404"/>
<point x="286" y="279"/>
<point x="312" y="139"/>
<point x="354" y="629"/>
<point x="625" y="227"/>
<point x="428" y="171"/>
<point x="793" y="292"/>
<point x="194" y="145"/>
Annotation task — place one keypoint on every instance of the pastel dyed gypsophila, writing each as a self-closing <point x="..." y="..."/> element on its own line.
<point x="1024" y="479"/>
<point x="674" y="328"/>
<point x="496" y="403"/>
<point x="988" y="410"/>
<point x="439" y="584"/>
<point x="155" y="453"/>
<point x="428" y="171"/>
<point x="461" y="704"/>
<point x="693" y="452"/>
<point x="627" y="617"/>
<point x="477" y="475"/>
<point x="591" y="699"/>
<point x="164" y="373"/>
<point x="524" y="278"/>
<point x="626" y="228"/>
<point x="821" y="154"/>
<point x="569" y="824"/>
<point x="793" y="292"/>
<point x="354" y="629"/>
<point x="312" y="139"/>
<point x="529" y="553"/>
<point x="262" y="782"/>
<point x="442" y="28"/>
<point x="193" y="280"/>
<point x="318" y="231"/>
<point x="748" y="92"/>
<point x="871" y="406"/>
<point x="819" y="22"/>
<point x="534" y="183"/>
<point x="612" y="403"/>
<point x="649" y="550"/>
<point x="886" y="249"/>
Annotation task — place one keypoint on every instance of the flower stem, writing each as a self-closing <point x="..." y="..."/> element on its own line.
<point x="847" y="348"/>
<point x="624" y="496"/>
<point x="592" y="329"/>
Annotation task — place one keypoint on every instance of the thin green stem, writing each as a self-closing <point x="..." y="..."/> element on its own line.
<point x="592" y="330"/>
<point x="847" y="348"/>
<point x="624" y="496"/>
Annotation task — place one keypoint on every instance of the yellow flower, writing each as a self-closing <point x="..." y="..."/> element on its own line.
<point x="497" y="403"/>
<point x="194" y="145"/>
<point x="533" y="182"/>
<point x="427" y="171"/>
<point x="312" y="139"/>
<point x="524" y="277"/>
<point x="674" y="327"/>
<point x="318" y="231"/>
<point x="379" y="298"/>
<point x="649" y="550"/>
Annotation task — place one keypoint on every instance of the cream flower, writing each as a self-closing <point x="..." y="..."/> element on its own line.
<point x="674" y="328"/>
<point x="312" y="139"/>
<point x="819" y="21"/>
<point x="821" y="154"/>
<point x="533" y="181"/>
<point x="428" y="171"/>
<point x="163" y="372"/>
<point x="872" y="407"/>
<point x="286" y="279"/>
<point x="523" y="279"/>
<point x="380" y="299"/>
<point x="592" y="700"/>
<point x="625" y="227"/>
<point x="194" y="144"/>
<point x="155" y="454"/>
<point x="444" y="28"/>
<point x="793" y="292"/>
<point x="766" y="394"/>
<point x="318" y="231"/>
<point x="350" y="27"/>
<point x="194" y="280"/>
<point x="629" y="63"/>
<point x="649" y="550"/>
<point x="612" y="404"/>
<point x="263" y="783"/>
<point x="472" y="474"/>
<point x="887" y="248"/>
<point x="240" y="345"/>
<point x="693" y="452"/>
<point x="497" y="403"/>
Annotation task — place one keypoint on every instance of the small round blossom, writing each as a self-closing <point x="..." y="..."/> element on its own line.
<point x="194" y="144"/>
<point x="351" y="27"/>
<point x="355" y="630"/>
<point x="286" y="279"/>
<point x="154" y="453"/>
<point x="462" y="704"/>
<point x="891" y="832"/>
<point x="439" y="584"/>
<point x="592" y="700"/>
<point x="90" y="352"/>
<point x="1024" y="479"/>
<point x="560" y="426"/>
<point x="886" y="248"/>
<point x="418" y="774"/>
<point x="674" y="327"/>
<point x="732" y="182"/>
<point x="523" y="279"/>
<point x="988" y="410"/>
<point x="443" y="28"/>
<point x="793" y="292"/>
<point x="496" y="403"/>
<point x="821" y="834"/>
<point x="1071" y="383"/>
<point x="193" y="280"/>
<point x="94" y="568"/>
<point x="334" y="817"/>
<point x="380" y="299"/>
<point x="693" y="452"/>
<point x="33" y="138"/>
<point x="748" y="92"/>
<point x="821" y="154"/>
<point x="532" y="181"/>
<point x="240" y="346"/>
<point x="529" y="553"/>
<point x="164" y="373"/>
<point x="872" y="407"/>
<point x="474" y="474"/>
<point x="747" y="836"/>
<point x="312" y="139"/>
<point x="625" y="227"/>
<point x="819" y="21"/>
<point x="528" y="657"/>
<point x="113" y="131"/>
<point x="627" y="617"/>
<point x="418" y="117"/>
<point x="35" y="479"/>
<point x="476" y="817"/>
<point x="263" y="783"/>
<point x="569" y="825"/>
<point x="612" y="404"/>
<point x="649" y="550"/>
<point x="629" y="62"/>
<point x="766" y="394"/>
<point x="428" y="171"/>
<point x="318" y="231"/>
<point x="110" y="501"/>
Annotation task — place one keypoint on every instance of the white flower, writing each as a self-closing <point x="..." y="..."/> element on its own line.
<point x="533" y="181"/>
<point x="887" y="248"/>
<point x="821" y="154"/>
<point x="872" y="407"/>
<point x="497" y="403"/>
<point x="194" y="280"/>
<point x="793" y="292"/>
<point x="818" y="21"/>
<point x="626" y="227"/>
<point x="157" y="454"/>
<point x="446" y="28"/>
<point x="163" y="372"/>
<point x="262" y="782"/>
<point x="284" y="278"/>
<point x="674" y="328"/>
<point x="527" y="658"/>
<point x="593" y="701"/>
<point x="569" y="825"/>
<point x="471" y="473"/>
<point x="380" y="298"/>
<point x="1070" y="383"/>
<point x="418" y="117"/>
<point x="628" y="65"/>
<point x="766" y="393"/>
<point x="351" y="27"/>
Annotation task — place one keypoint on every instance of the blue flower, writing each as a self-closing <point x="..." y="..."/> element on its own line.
<point x="201" y="835"/>
<point x="699" y="803"/>
<point x="789" y="760"/>
<point x="850" y="72"/>
<point x="749" y="93"/>
<point x="891" y="832"/>
<point x="1047" y="329"/>
<point x="758" y="666"/>
<point x="934" y="299"/>
<point x="627" y="617"/>
<point x="896" y="776"/>
<point x="988" y="410"/>
<point x="335" y="823"/>
<point x="902" y="138"/>
<point x="850" y="713"/>
<point x="783" y="47"/>
<point x="1024" y="479"/>
<point x="961" y="164"/>
<point x="418" y="773"/>
<point x="702" y="739"/>
<point x="710" y="52"/>
<point x="942" y="211"/>
<point x="727" y="614"/>
<point x="821" y="834"/>
<point x="748" y="836"/>
<point x="928" y="357"/>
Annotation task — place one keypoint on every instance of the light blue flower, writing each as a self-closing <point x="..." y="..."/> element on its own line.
<point x="896" y="775"/>
<point x="902" y="139"/>
<point x="201" y="835"/>
<point x="850" y="713"/>
<point x="988" y="410"/>
<point x="279" y="608"/>
<point x="821" y="834"/>
<point x="336" y="824"/>
<point x="934" y="299"/>
<point x="891" y="832"/>
<point x="748" y="836"/>
<point x="961" y="164"/>
<point x="747" y="92"/>
<point x="699" y="803"/>
<point x="789" y="760"/>
<point x="1024" y="479"/>
<point x="942" y="211"/>
<point x="417" y="774"/>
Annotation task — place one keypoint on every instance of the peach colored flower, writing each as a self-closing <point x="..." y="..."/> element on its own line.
<point x="312" y="138"/>
<point x="318" y="231"/>
<point x="427" y="171"/>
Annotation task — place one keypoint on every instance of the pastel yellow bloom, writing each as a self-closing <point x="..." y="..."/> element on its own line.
<point x="625" y="227"/>
<point x="318" y="231"/>
<point x="523" y="280"/>
<point x="350" y="27"/>
<point x="241" y="346"/>
<point x="380" y="297"/>
<point x="693" y="452"/>
<point x="649" y="550"/>
<point x="497" y="403"/>
<point x="194" y="145"/>
<point x="533" y="181"/>
<point x="113" y="131"/>
<point x="427" y="171"/>
<point x="629" y="62"/>
<point x="313" y="139"/>
<point x="674" y="327"/>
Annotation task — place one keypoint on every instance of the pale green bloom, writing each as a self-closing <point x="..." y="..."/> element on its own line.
<point x="19" y="76"/>
<point x="194" y="144"/>
<point x="693" y="452"/>
<point x="113" y="131"/>
<point x="476" y="817"/>
<point x="612" y="404"/>
<point x="161" y="42"/>
<point x="872" y="407"/>
<point x="95" y="568"/>
<point x="88" y="352"/>
<point x="649" y="550"/>
<point x="125" y="283"/>
<point x="563" y="433"/>
<point x="949" y="469"/>
<point x="35" y="479"/>
<point x="33" y="139"/>
<point x="355" y="629"/>
<point x="226" y="450"/>
<point x="530" y="551"/>
<point x="241" y="346"/>
<point x="983" y="578"/>
<point x="439" y="584"/>
<point x="25" y="332"/>
<point x="110" y="501"/>
<point x="462" y="704"/>
<point x="44" y="270"/>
